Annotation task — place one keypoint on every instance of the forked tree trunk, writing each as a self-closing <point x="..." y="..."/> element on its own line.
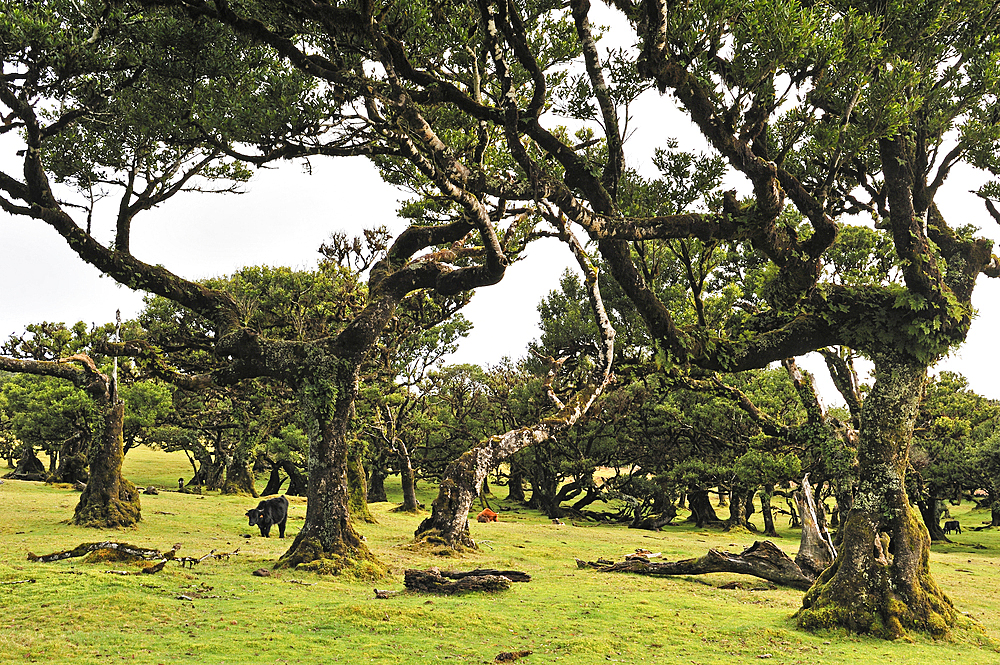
<point x="327" y="541"/>
<point x="410" y="503"/>
<point x="881" y="582"/>
<point x="297" y="484"/>
<point x="274" y="481"/>
<point x="109" y="500"/>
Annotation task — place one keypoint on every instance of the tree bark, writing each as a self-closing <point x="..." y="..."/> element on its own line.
<point x="357" y="485"/>
<point x="701" y="508"/>
<point x="109" y="500"/>
<point x="766" y="511"/>
<point x="274" y="481"/>
<point x="29" y="467"/>
<point x="737" y="509"/>
<point x="376" y="484"/>
<point x="515" y="486"/>
<point x="816" y="551"/>
<point x="881" y="582"/>
<point x="239" y="479"/>
<point x="434" y="581"/>
<point x="930" y="512"/>
<point x="327" y="541"/>
<point x="410" y="503"/>
<point x="72" y="466"/>
<point x="297" y="483"/>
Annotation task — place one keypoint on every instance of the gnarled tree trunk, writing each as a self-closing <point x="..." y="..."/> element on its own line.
<point x="515" y="485"/>
<point x="881" y="582"/>
<point x="702" y="512"/>
<point x="239" y="479"/>
<point x="274" y="481"/>
<point x="109" y="500"/>
<point x="327" y="540"/>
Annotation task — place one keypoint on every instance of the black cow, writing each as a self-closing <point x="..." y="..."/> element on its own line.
<point x="268" y="512"/>
<point x="952" y="525"/>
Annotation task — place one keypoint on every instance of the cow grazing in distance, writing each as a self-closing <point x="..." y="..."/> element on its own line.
<point x="486" y="516"/>
<point x="952" y="525"/>
<point x="269" y="512"/>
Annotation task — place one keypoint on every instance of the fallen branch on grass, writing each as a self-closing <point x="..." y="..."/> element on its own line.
<point x="449" y="582"/>
<point x="762" y="559"/>
<point x="84" y="549"/>
<point x="126" y="552"/>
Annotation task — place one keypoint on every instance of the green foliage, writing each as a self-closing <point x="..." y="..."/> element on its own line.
<point x="952" y="439"/>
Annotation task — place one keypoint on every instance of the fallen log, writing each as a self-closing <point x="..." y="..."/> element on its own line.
<point x="84" y="549"/>
<point x="432" y="581"/>
<point x="512" y="575"/>
<point x="762" y="559"/>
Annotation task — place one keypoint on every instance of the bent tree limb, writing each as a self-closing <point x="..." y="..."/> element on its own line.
<point x="762" y="559"/>
<point x="448" y="522"/>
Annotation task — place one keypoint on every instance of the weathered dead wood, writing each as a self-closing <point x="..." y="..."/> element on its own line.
<point x="512" y="575"/>
<point x="762" y="559"/>
<point x="432" y="581"/>
<point x="816" y="550"/>
<point x="84" y="549"/>
<point x="134" y="553"/>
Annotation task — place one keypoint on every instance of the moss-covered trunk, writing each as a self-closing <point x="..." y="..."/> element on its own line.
<point x="239" y="479"/>
<point x="327" y="541"/>
<point x="880" y="582"/>
<point x="109" y="500"/>
<point x="357" y="485"/>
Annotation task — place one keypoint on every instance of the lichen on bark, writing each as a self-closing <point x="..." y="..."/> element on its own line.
<point x="880" y="583"/>
<point x="108" y="500"/>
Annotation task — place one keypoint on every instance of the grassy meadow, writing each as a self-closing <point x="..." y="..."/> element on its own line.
<point x="72" y="611"/>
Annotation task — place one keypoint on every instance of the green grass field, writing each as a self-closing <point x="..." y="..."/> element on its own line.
<point x="78" y="612"/>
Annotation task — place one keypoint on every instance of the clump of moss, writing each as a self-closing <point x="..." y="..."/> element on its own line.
<point x="432" y="542"/>
<point x="106" y="555"/>
<point x="308" y="555"/>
